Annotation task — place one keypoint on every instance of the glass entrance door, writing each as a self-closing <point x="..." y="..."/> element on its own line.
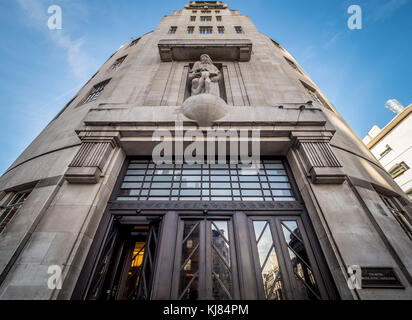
<point x="205" y="264"/>
<point x="283" y="260"/>
<point x="125" y="268"/>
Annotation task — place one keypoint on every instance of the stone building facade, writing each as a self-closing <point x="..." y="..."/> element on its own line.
<point x="86" y="197"/>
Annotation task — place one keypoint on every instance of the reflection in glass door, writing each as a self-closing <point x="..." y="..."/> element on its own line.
<point x="125" y="268"/>
<point x="205" y="267"/>
<point x="284" y="261"/>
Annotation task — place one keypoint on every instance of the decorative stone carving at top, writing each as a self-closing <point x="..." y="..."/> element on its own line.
<point x="204" y="77"/>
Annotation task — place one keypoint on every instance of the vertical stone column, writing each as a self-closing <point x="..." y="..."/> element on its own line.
<point x="88" y="164"/>
<point x="318" y="158"/>
<point x="162" y="282"/>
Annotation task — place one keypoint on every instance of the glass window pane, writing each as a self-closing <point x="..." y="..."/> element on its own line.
<point x="159" y="192"/>
<point x="221" y="262"/>
<point x="160" y="185"/>
<point x="188" y="288"/>
<point x="189" y="192"/>
<point x="279" y="185"/>
<point x="276" y="172"/>
<point x="302" y="268"/>
<point x="281" y="192"/>
<point x="220" y="185"/>
<point x="191" y="185"/>
<point x="133" y="178"/>
<point x="248" y="178"/>
<point x="162" y="178"/>
<point x="221" y="192"/>
<point x="131" y="185"/>
<point x="251" y="192"/>
<point x="250" y="185"/>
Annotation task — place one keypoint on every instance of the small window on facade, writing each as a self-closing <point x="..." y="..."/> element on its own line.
<point x="206" y="11"/>
<point x="207" y="18"/>
<point x="221" y="30"/>
<point x="206" y="30"/>
<point x="409" y="194"/>
<point x="316" y="99"/>
<point x="293" y="65"/>
<point x="277" y="44"/>
<point x="194" y="11"/>
<point x="172" y="30"/>
<point x="239" y="30"/>
<point x="398" y="170"/>
<point x="12" y="208"/>
<point x="398" y="213"/>
<point x="118" y="62"/>
<point x="190" y="30"/>
<point x="134" y="42"/>
<point x="217" y="11"/>
<point x="218" y="18"/>
<point x="96" y="91"/>
<point x="193" y="18"/>
<point x="386" y="151"/>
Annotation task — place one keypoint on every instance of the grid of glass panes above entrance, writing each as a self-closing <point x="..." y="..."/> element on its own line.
<point x="145" y="180"/>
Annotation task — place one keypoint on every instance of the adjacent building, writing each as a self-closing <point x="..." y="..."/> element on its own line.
<point x="392" y="146"/>
<point x="89" y="197"/>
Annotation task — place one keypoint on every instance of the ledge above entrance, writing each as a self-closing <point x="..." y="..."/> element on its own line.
<point x="217" y="49"/>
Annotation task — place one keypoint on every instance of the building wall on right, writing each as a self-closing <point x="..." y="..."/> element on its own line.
<point x="392" y="147"/>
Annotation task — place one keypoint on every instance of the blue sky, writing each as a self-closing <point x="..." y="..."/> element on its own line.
<point x="41" y="70"/>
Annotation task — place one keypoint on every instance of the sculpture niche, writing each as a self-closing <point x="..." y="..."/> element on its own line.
<point x="204" y="77"/>
<point x="204" y="105"/>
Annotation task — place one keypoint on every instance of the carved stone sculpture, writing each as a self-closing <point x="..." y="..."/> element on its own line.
<point x="204" y="77"/>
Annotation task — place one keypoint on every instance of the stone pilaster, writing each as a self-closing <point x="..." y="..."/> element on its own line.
<point x="319" y="160"/>
<point x="88" y="164"/>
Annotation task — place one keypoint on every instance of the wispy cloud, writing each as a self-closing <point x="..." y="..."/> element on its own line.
<point x="77" y="58"/>
<point x="381" y="12"/>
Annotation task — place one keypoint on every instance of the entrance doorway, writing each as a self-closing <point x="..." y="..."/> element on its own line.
<point x="205" y="232"/>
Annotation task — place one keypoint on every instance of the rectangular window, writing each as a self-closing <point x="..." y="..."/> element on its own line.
<point x="194" y="11"/>
<point x="293" y="65"/>
<point x="386" y="151"/>
<point x="398" y="213"/>
<point x="118" y="62"/>
<point x="192" y="18"/>
<point x="96" y="91"/>
<point x="239" y="30"/>
<point x="12" y="208"/>
<point x="206" y="30"/>
<point x="190" y="30"/>
<point x="276" y="44"/>
<point x="316" y="99"/>
<point x="207" y="18"/>
<point x="172" y="30"/>
<point x="134" y="42"/>
<point x="398" y="170"/>
<point x="218" y="18"/>
<point x="221" y="30"/>
<point x="145" y="180"/>
<point x="217" y="11"/>
<point x="409" y="194"/>
<point x="206" y="11"/>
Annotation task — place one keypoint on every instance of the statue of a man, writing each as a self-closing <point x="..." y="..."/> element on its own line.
<point x="204" y="76"/>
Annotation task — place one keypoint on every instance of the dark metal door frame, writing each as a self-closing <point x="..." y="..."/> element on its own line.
<point x="205" y="261"/>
